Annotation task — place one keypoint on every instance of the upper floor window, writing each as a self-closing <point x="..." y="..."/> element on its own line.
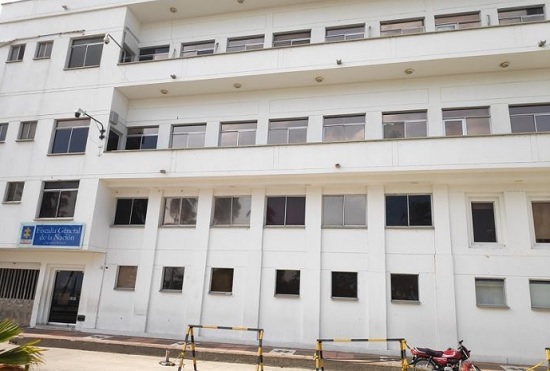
<point x="221" y="280"/>
<point x="126" y="277"/>
<point x="405" y="124"/>
<point x="539" y="291"/>
<point x="14" y="191"/>
<point x="345" y="210"/>
<point x="142" y="138"/>
<point x="43" y="50"/>
<point x="483" y="221"/>
<point x="172" y="278"/>
<point x="232" y="210"/>
<point x="27" y="129"/>
<point x="401" y="27"/>
<point x="345" y="33"/>
<point x="408" y="210"/>
<point x="541" y="220"/>
<point x="287" y="131"/>
<point x="292" y="38"/>
<point x="467" y="121"/>
<point x="490" y="292"/>
<point x="58" y="199"/>
<point x="70" y="136"/>
<point x="131" y="211"/>
<point x="245" y="43"/>
<point x="199" y="48"/>
<point x="154" y="53"/>
<point x="285" y="211"/>
<point x="16" y="53"/>
<point x="85" y="52"/>
<point x="457" y="21"/>
<point x="188" y="136"/>
<point x="530" y="119"/>
<point x="238" y="134"/>
<point x="521" y="15"/>
<point x="3" y="131"/>
<point x="287" y="282"/>
<point x="113" y="141"/>
<point x="344" y="285"/>
<point x="344" y="128"/>
<point x="404" y="287"/>
<point x="180" y="211"/>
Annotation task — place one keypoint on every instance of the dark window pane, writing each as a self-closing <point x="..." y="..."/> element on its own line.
<point x="139" y="211"/>
<point x="112" y="141"/>
<point x="523" y="124"/>
<point x="222" y="280"/>
<point x="67" y="203"/>
<point x="123" y="211"/>
<point x="287" y="282"/>
<point x="404" y="287"/>
<point x="77" y="57"/>
<point x="541" y="219"/>
<point x="133" y="143"/>
<point x="483" y="219"/>
<point x="275" y="214"/>
<point x="240" y="214"/>
<point x="333" y="207"/>
<point x="78" y="140"/>
<point x="61" y="141"/>
<point x="344" y="284"/>
<point x="295" y="211"/>
<point x="188" y="211"/>
<point x="420" y="210"/>
<point x="297" y="135"/>
<point x="355" y="210"/>
<point x="149" y="142"/>
<point x="172" y="278"/>
<point x="394" y="130"/>
<point x="222" y="211"/>
<point x="14" y="191"/>
<point x="396" y="211"/>
<point x="48" y="208"/>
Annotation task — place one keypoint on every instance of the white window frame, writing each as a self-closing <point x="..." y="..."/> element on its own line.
<point x="16" y="53"/>
<point x="491" y="279"/>
<point x="198" y="49"/>
<point x="522" y="18"/>
<point x="245" y="43"/>
<point x="404" y="30"/>
<point x="232" y="127"/>
<point x="534" y="115"/>
<point x="292" y="41"/>
<point x="498" y="202"/>
<point x="188" y="134"/>
<point x="44" y="50"/>
<point x="346" y="33"/>
<point x="406" y="123"/>
<point x="464" y="120"/>
<point x="544" y="282"/>
<point x="343" y="210"/>
<point x="288" y="129"/>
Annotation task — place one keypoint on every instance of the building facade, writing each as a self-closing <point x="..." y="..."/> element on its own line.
<point x="357" y="169"/>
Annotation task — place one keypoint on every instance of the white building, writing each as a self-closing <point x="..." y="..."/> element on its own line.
<point x="358" y="169"/>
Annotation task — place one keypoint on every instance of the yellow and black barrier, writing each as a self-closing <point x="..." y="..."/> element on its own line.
<point x="319" y="361"/>
<point x="548" y="359"/>
<point x="189" y="336"/>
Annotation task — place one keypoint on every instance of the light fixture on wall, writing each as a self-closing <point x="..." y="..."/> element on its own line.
<point x="65" y="7"/>
<point x="79" y="112"/>
<point x="409" y="71"/>
<point x="173" y="9"/>
<point x="237" y="85"/>
<point x="505" y="64"/>
<point x="319" y="79"/>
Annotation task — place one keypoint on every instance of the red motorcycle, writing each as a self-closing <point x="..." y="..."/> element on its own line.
<point x="443" y="360"/>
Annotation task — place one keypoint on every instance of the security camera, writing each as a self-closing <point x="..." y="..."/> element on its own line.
<point x="106" y="39"/>
<point x="78" y="113"/>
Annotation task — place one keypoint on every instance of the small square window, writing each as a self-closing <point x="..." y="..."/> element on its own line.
<point x="16" y="53"/>
<point x="287" y="282"/>
<point x="285" y="211"/>
<point x="14" y="191"/>
<point x="44" y="50"/>
<point x="27" y="130"/>
<point x="404" y="287"/>
<point x="59" y="199"/>
<point x="490" y="292"/>
<point x="408" y="210"/>
<point x="126" y="277"/>
<point x="346" y="210"/>
<point x="221" y="280"/>
<point x="3" y="132"/>
<point x="540" y="294"/>
<point x="344" y="285"/>
<point x="172" y="278"/>
<point x="541" y="221"/>
<point x="483" y="222"/>
<point x="232" y="210"/>
<point x="180" y="211"/>
<point x="131" y="211"/>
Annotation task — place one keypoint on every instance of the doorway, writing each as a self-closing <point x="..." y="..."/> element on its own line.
<point x="66" y="297"/>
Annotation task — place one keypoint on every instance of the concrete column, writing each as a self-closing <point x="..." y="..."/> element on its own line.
<point x="315" y="129"/>
<point x="317" y="35"/>
<point x="514" y="222"/>
<point x="373" y="128"/>
<point x="435" y="115"/>
<point x="212" y="136"/>
<point x="500" y="119"/>
<point x="164" y="136"/>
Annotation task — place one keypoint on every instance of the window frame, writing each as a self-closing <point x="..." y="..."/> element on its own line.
<point x="245" y="43"/>
<point x="146" y="133"/>
<point x="544" y="282"/>
<point x="192" y="219"/>
<point x="27" y="131"/>
<point x="328" y="123"/>
<point x="286" y="39"/>
<point x="496" y="201"/>
<point x="459" y="24"/>
<point x="288" y="129"/>
<point x="487" y="280"/>
<point x="534" y="115"/>
<point x="131" y="216"/>
<point x="286" y="212"/>
<point x="43" y="50"/>
<point x="408" y="225"/>
<point x="16" y="53"/>
<point x="14" y="192"/>
<point x="475" y="228"/>
<point x="178" y="288"/>
<point x="226" y="130"/>
<point x="187" y="135"/>
<point x="343" y="224"/>
<point x="3" y="131"/>
<point x="69" y="187"/>
<point x="229" y="271"/>
<point x="132" y="271"/>
<point x="158" y="52"/>
<point x="411" y="297"/>
<point x="198" y="52"/>
<point x="465" y="119"/>
<point x="232" y="217"/>
<point x="403" y="30"/>
<point x="529" y="17"/>
<point x="347" y="33"/>
<point x="407" y="121"/>
<point x="77" y="124"/>
<point x="92" y="41"/>
<point x="281" y="282"/>
<point x="535" y="200"/>
<point x="354" y="289"/>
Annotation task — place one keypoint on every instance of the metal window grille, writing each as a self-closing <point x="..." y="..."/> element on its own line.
<point x="18" y="283"/>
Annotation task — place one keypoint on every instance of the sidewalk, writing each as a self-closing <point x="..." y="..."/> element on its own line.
<point x="216" y="352"/>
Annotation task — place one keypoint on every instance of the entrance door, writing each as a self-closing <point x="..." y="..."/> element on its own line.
<point x="66" y="296"/>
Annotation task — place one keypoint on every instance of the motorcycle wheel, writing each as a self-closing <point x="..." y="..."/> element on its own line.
<point x="423" y="365"/>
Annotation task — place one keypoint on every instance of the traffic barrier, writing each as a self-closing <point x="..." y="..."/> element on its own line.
<point x="319" y="361"/>
<point x="189" y="335"/>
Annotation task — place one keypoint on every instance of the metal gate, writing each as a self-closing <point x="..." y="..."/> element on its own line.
<point x="17" y="290"/>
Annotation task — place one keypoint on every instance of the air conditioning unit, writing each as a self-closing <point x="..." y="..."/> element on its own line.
<point x="113" y="117"/>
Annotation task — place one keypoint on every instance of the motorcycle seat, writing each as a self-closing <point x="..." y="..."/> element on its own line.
<point x="431" y="352"/>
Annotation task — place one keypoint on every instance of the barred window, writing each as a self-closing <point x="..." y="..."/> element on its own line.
<point x="18" y="283"/>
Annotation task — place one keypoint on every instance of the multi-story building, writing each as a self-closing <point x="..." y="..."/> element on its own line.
<point x="358" y="169"/>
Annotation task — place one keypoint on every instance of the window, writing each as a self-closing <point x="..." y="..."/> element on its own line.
<point x="180" y="211"/>
<point x="401" y="27"/>
<point x="483" y="221"/>
<point x="43" y="50"/>
<point x="490" y="292"/>
<point x="521" y="15"/>
<point x="344" y="285"/>
<point x="142" y="138"/>
<point x="344" y="128"/>
<point x="221" y="280"/>
<point x="238" y="134"/>
<point x="404" y="287"/>
<point x="408" y="210"/>
<point x="113" y="140"/>
<point x="172" y="279"/>
<point x="85" y="52"/>
<point x="245" y="43"/>
<point x="347" y="210"/>
<point x="292" y="38"/>
<point x="467" y="121"/>
<point x="405" y="124"/>
<point x="3" y="132"/>
<point x="541" y="220"/>
<point x="345" y="33"/>
<point x="16" y="53"/>
<point x="530" y="119"/>
<point x="287" y="282"/>
<point x="457" y="21"/>
<point x="131" y="211"/>
<point x="196" y="49"/>
<point x="27" y="130"/>
<point x="127" y="55"/>
<point x="14" y="191"/>
<point x="70" y="136"/>
<point x="154" y="53"/>
<point x="285" y="211"/>
<point x="126" y="277"/>
<point x="540" y="294"/>
<point x="287" y="131"/>
<point x="232" y="210"/>
<point x="59" y="199"/>
<point x="188" y="136"/>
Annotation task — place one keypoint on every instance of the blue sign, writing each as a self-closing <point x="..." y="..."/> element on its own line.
<point x="51" y="235"/>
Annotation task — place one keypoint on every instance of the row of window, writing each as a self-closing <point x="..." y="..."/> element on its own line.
<point x="402" y="210"/>
<point x="70" y="136"/>
<point x="490" y="292"/>
<point x="87" y="52"/>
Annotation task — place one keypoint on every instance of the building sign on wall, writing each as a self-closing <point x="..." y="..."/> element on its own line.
<point x="51" y="235"/>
